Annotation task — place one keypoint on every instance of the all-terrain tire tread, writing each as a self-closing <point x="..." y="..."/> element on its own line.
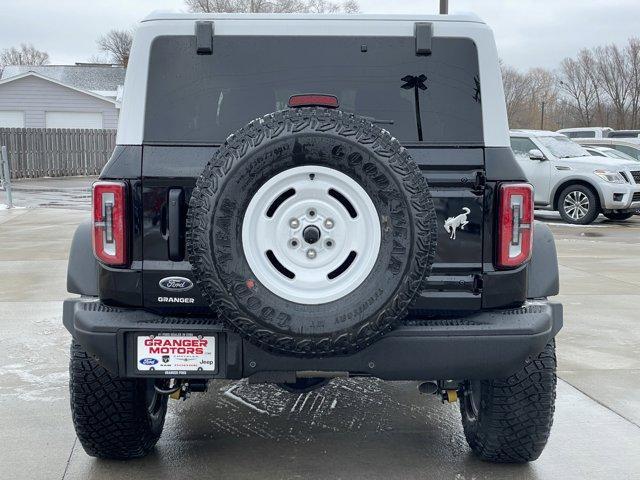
<point x="400" y="165"/>
<point x="109" y="413"/>
<point x="516" y="413"/>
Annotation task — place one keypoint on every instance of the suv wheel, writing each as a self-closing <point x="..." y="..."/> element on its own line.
<point x="509" y="420"/>
<point x="619" y="216"/>
<point x="114" y="418"/>
<point x="578" y="205"/>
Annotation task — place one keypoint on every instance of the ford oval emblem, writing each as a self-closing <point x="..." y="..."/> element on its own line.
<point x="148" y="361"/>
<point x="176" y="284"/>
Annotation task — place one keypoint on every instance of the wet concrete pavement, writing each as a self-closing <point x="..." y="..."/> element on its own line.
<point x="72" y="193"/>
<point x="349" y="429"/>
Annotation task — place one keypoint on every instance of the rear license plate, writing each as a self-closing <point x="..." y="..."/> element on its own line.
<point x="176" y="354"/>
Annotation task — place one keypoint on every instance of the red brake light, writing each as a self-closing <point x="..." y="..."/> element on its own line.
<point x="109" y="222"/>
<point x="515" y="224"/>
<point x="314" y="100"/>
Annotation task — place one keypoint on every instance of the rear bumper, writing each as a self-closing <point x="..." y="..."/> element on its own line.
<point x="489" y="344"/>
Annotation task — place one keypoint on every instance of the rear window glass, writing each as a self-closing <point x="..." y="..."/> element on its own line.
<point x="632" y="152"/>
<point x="203" y="98"/>
<point x="625" y="134"/>
<point x="521" y="146"/>
<point x="580" y="134"/>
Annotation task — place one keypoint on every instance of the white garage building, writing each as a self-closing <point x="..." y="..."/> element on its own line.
<point x="61" y="96"/>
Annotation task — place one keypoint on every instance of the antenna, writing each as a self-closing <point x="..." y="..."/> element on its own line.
<point x="444" y="7"/>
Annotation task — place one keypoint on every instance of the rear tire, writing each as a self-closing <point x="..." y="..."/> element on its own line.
<point x="509" y="420"/>
<point x="578" y="205"/>
<point x="619" y="216"/>
<point x="114" y="418"/>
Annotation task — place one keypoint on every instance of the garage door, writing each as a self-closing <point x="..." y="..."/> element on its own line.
<point x="73" y="120"/>
<point x="11" y="119"/>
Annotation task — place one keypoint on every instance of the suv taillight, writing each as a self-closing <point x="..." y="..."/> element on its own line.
<point x="515" y="224"/>
<point x="109" y="222"/>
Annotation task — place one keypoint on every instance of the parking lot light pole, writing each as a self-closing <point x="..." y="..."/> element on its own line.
<point x="4" y="165"/>
<point x="444" y="7"/>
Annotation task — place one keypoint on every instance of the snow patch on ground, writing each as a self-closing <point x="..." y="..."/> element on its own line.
<point x="4" y="206"/>
<point x="229" y="393"/>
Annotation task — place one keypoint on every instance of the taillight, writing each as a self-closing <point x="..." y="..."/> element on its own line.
<point x="109" y="222"/>
<point x="515" y="224"/>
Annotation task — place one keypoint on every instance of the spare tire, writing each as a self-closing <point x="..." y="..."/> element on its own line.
<point x="310" y="232"/>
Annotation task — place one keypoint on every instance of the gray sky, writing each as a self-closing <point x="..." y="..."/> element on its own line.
<point x="528" y="33"/>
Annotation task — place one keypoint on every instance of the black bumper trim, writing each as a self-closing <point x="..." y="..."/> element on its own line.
<point x="488" y="344"/>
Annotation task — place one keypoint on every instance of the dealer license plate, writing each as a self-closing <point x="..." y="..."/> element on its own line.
<point x="176" y="354"/>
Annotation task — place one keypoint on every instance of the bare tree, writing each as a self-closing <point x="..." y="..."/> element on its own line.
<point x="598" y="87"/>
<point x="26" y="54"/>
<point x="578" y="83"/>
<point x="244" y="6"/>
<point x="324" y="6"/>
<point x="612" y="74"/>
<point x="351" y="6"/>
<point x="117" y="44"/>
<point x="98" y="60"/>
<point x="527" y="94"/>
<point x="632" y="52"/>
<point x="272" y="6"/>
<point x="543" y="97"/>
<point x="514" y="91"/>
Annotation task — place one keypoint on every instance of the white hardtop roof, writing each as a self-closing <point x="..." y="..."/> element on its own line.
<point x="160" y="15"/>
<point x="630" y="142"/>
<point x="494" y="115"/>
<point x="534" y="133"/>
<point x="579" y="129"/>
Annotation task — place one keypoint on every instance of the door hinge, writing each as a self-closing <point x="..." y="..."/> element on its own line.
<point x="477" y="284"/>
<point x="480" y="182"/>
<point x="204" y="38"/>
<point x="423" y="32"/>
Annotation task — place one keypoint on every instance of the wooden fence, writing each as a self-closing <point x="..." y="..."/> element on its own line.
<point x="55" y="152"/>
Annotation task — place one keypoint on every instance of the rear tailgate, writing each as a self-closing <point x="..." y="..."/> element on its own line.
<point x="455" y="177"/>
<point x="432" y="104"/>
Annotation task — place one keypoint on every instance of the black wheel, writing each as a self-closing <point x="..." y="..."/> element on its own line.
<point x="509" y="420"/>
<point x="114" y="418"/>
<point x="619" y="216"/>
<point x="578" y="205"/>
<point x="311" y="231"/>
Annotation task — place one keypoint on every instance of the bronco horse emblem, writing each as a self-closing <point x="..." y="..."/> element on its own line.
<point x="452" y="224"/>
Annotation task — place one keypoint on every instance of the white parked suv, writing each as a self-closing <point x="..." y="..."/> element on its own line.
<point x="579" y="186"/>
<point x="586" y="132"/>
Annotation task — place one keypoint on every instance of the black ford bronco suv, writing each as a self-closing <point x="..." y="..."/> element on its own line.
<point x="298" y="198"/>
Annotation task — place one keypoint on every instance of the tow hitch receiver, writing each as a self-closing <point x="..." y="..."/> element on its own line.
<point x="448" y="390"/>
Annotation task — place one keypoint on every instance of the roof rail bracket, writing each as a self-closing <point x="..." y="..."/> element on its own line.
<point x="423" y="34"/>
<point x="204" y="38"/>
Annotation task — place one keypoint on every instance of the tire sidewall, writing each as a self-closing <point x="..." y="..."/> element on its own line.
<point x="154" y="420"/>
<point x="385" y="172"/>
<point x="594" y="205"/>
